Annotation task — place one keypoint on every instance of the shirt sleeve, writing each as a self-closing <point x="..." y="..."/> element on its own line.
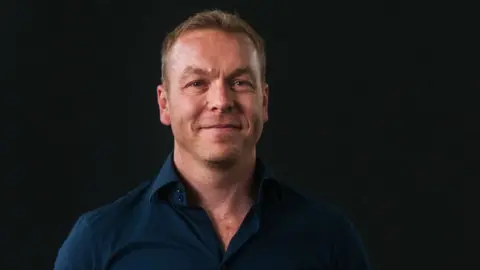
<point x="349" y="253"/>
<point x="77" y="251"/>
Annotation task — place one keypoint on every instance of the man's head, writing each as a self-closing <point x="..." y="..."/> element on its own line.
<point x="213" y="92"/>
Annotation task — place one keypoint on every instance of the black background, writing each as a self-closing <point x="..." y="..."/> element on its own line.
<point x="373" y="107"/>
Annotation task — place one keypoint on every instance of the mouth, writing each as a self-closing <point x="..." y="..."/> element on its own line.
<point x="222" y="126"/>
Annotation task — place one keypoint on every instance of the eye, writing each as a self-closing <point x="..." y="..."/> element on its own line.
<point x="196" y="87"/>
<point x="198" y="83"/>
<point x="242" y="84"/>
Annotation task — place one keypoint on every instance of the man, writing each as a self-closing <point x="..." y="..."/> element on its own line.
<point x="214" y="205"/>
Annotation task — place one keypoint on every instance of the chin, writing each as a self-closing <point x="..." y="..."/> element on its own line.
<point x="222" y="156"/>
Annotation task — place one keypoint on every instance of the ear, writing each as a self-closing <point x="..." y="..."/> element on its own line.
<point x="265" y="102"/>
<point x="163" y="105"/>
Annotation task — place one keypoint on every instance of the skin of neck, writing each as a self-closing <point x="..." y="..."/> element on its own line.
<point x="221" y="191"/>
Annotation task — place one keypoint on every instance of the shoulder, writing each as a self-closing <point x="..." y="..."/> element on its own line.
<point x="118" y="211"/>
<point x="96" y="232"/>
<point x="320" y="213"/>
<point x="327" y="223"/>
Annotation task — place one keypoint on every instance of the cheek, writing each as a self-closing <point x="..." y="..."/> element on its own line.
<point x="183" y="112"/>
<point x="253" y="110"/>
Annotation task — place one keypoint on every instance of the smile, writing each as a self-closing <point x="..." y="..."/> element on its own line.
<point x="223" y="126"/>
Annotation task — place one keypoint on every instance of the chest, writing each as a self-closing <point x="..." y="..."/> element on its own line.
<point x="192" y="241"/>
<point x="255" y="254"/>
<point x="226" y="229"/>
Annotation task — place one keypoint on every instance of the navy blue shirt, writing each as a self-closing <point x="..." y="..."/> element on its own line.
<point x="153" y="228"/>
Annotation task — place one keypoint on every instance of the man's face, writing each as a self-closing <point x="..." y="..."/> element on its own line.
<point x="215" y="98"/>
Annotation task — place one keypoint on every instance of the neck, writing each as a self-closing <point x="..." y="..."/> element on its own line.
<point x="220" y="190"/>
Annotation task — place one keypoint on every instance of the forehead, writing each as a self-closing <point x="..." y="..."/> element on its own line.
<point x="212" y="50"/>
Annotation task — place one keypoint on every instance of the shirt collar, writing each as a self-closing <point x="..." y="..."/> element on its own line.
<point x="168" y="174"/>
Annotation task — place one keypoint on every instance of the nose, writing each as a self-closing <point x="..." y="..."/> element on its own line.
<point x="220" y="97"/>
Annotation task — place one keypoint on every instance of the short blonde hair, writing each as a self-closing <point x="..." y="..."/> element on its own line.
<point x="215" y="19"/>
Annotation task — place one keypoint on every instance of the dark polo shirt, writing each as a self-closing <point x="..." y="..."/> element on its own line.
<point x="153" y="228"/>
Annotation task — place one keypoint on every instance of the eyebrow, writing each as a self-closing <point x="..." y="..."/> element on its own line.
<point x="242" y="71"/>
<point x="192" y="70"/>
<point x="202" y="72"/>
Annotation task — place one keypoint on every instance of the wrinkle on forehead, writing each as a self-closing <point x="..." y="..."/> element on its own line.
<point x="213" y="50"/>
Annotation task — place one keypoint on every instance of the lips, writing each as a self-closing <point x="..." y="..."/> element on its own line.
<point x="222" y="126"/>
